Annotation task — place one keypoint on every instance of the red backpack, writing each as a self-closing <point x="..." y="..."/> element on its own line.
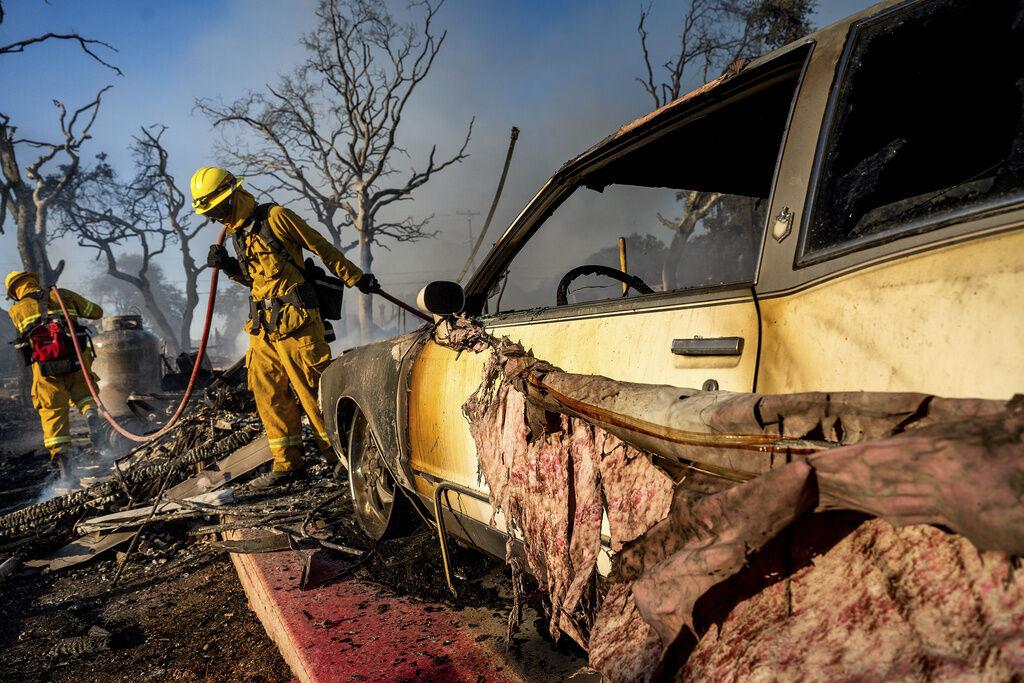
<point x="49" y="343"/>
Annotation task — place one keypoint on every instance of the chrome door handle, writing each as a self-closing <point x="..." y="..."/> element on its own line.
<point x="708" y="346"/>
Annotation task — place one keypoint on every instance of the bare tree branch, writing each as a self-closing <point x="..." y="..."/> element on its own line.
<point x="153" y="180"/>
<point x="102" y="213"/>
<point x="85" y="43"/>
<point x="713" y="35"/>
<point x="328" y="133"/>
<point x="45" y="192"/>
<point x="29" y="196"/>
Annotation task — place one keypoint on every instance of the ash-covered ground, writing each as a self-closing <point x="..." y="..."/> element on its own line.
<point x="178" y="611"/>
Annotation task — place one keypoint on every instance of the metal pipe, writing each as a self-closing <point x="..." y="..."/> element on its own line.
<point x="513" y="136"/>
<point x="401" y="304"/>
<point x="442" y="531"/>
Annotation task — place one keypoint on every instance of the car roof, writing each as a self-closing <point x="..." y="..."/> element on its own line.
<point x="652" y="120"/>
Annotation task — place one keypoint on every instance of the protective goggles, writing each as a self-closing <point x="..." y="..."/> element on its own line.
<point x="203" y="203"/>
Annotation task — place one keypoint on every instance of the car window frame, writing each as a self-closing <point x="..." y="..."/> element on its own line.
<point x="802" y="257"/>
<point x="561" y="186"/>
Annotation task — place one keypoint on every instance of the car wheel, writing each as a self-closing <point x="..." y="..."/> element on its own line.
<point x="381" y="509"/>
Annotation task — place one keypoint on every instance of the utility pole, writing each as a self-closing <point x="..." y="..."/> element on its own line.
<point x="469" y="225"/>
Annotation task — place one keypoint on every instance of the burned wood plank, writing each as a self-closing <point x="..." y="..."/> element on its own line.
<point x="82" y="550"/>
<point x="238" y="464"/>
<point x="135" y="516"/>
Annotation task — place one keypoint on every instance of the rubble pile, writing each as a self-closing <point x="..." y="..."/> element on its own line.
<point x="120" y="577"/>
<point x="711" y="500"/>
<point x="198" y="440"/>
<point x="185" y="497"/>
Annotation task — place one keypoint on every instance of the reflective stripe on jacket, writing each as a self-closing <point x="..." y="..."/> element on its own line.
<point x="25" y="311"/>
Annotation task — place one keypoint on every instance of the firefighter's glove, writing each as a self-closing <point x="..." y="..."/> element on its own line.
<point x="218" y="258"/>
<point x="367" y="283"/>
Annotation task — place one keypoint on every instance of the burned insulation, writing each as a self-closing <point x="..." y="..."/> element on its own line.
<point x="696" y="485"/>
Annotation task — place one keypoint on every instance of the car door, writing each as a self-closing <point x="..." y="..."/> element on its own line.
<point x="905" y="264"/>
<point x="687" y="192"/>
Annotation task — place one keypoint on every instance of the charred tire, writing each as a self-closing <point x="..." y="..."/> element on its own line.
<point x="381" y="508"/>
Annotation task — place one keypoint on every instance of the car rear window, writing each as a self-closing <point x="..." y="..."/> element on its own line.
<point x="926" y="125"/>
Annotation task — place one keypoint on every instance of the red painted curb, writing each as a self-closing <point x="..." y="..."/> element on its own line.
<point x="352" y="631"/>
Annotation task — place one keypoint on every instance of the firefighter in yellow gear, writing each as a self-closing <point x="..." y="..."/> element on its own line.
<point x="54" y="394"/>
<point x="287" y="349"/>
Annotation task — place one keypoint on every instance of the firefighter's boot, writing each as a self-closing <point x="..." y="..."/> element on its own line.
<point x="59" y="462"/>
<point x="66" y="462"/>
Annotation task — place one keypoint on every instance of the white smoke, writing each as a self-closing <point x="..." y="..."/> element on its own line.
<point x="84" y="466"/>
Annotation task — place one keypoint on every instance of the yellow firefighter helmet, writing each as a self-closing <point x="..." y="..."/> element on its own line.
<point x="14" y="277"/>
<point x="210" y="186"/>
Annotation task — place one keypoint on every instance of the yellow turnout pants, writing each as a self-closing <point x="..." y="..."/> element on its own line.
<point x="296" y="361"/>
<point x="52" y="397"/>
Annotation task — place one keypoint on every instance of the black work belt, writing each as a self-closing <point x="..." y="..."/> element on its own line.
<point x="301" y="296"/>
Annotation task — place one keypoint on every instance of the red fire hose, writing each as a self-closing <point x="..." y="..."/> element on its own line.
<point x="191" y="380"/>
<point x="195" y="368"/>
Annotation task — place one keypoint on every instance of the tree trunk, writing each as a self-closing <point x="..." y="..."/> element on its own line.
<point x="48" y="275"/>
<point x="696" y="205"/>
<point x="365" y="300"/>
<point x="680" y="236"/>
<point x="191" y="298"/>
<point x="29" y="220"/>
<point x="160" y="319"/>
<point x="30" y="248"/>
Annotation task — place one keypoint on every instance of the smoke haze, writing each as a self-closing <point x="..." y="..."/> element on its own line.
<point x="562" y="72"/>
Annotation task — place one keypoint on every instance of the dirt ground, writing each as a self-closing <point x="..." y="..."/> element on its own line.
<point x="183" y="617"/>
<point x="179" y="613"/>
<point x="186" y="624"/>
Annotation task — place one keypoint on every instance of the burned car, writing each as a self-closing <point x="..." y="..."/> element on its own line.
<point x="844" y="214"/>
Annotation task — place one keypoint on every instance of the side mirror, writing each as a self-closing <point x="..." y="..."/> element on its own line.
<point x="441" y="298"/>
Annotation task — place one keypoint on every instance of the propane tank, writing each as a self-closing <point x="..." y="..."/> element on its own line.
<point x="127" y="361"/>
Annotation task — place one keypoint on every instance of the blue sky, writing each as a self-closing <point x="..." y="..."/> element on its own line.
<point x="561" y="71"/>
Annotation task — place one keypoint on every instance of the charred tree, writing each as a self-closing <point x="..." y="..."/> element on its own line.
<point x="714" y="36"/>
<point x="109" y="217"/>
<point x="328" y="133"/>
<point x="154" y="180"/>
<point x="29" y="196"/>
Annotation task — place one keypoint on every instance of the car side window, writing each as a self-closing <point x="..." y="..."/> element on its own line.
<point x="667" y="248"/>
<point x="927" y="125"/>
<point x="690" y="203"/>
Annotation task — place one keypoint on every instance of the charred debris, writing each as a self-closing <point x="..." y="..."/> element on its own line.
<point x="181" y="498"/>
